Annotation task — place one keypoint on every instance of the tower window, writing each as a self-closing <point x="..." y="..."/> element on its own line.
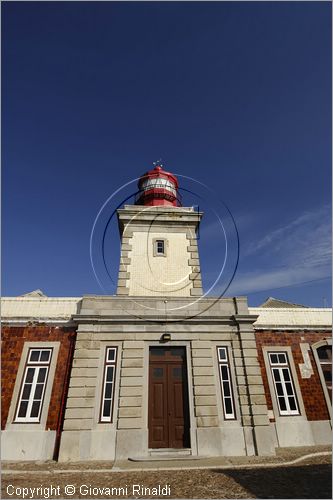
<point x="159" y="247"/>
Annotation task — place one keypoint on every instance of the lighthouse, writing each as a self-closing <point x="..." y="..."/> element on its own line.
<point x="159" y="248"/>
<point x="158" y="188"/>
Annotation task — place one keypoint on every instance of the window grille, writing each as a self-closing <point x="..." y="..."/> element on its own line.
<point x="226" y="386"/>
<point x="160" y="247"/>
<point x="283" y="383"/>
<point x="108" y="384"/>
<point x="325" y="360"/>
<point x="33" y="387"/>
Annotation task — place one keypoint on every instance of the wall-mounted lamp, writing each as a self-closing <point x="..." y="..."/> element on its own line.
<point x="165" y="337"/>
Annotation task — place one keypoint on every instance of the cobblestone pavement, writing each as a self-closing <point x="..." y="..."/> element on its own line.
<point x="310" y="478"/>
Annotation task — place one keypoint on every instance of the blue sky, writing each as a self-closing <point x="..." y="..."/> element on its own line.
<point x="234" y="95"/>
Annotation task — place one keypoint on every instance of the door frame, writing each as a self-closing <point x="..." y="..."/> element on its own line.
<point x="192" y="420"/>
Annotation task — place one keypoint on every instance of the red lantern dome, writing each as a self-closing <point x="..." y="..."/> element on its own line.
<point x="158" y="187"/>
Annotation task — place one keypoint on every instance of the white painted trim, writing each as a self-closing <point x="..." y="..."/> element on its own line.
<point x="97" y="425"/>
<point x="31" y="400"/>
<point x="226" y="363"/>
<point x="223" y="423"/>
<point x="314" y="347"/>
<point x="11" y="424"/>
<point x="107" y="365"/>
<point x="280" y="418"/>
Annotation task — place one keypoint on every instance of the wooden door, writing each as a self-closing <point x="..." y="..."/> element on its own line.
<point x="168" y="412"/>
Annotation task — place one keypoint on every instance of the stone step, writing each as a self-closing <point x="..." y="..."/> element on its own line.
<point x="164" y="454"/>
<point x="170" y="451"/>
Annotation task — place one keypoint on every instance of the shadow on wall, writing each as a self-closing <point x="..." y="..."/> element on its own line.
<point x="306" y="481"/>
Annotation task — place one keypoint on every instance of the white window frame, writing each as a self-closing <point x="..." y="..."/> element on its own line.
<point x="314" y="347"/>
<point x="108" y="363"/>
<point x="156" y="253"/>
<point x="36" y="366"/>
<point x="11" y="424"/>
<point x="223" y="361"/>
<point x="279" y="367"/>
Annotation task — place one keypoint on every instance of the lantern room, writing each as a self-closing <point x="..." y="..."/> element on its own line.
<point x="158" y="187"/>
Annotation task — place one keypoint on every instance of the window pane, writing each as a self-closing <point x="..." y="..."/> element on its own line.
<point x="327" y="374"/>
<point x="45" y="356"/>
<point x="324" y="352"/>
<point x="228" y="406"/>
<point x="30" y="375"/>
<point x="282" y="404"/>
<point x="107" y="408"/>
<point x="108" y="390"/>
<point x="109" y="373"/>
<point x="226" y="389"/>
<point x="38" y="391"/>
<point x="41" y="375"/>
<point x="282" y="358"/>
<point x="157" y="351"/>
<point x="23" y="409"/>
<point x="177" y="351"/>
<point x="111" y="355"/>
<point x="34" y="355"/>
<point x="276" y="373"/>
<point x="286" y="374"/>
<point x="35" y="409"/>
<point x="158" y="372"/>
<point x="224" y="372"/>
<point x="289" y="389"/>
<point x="292" y="403"/>
<point x="222" y="354"/>
<point x="26" y="391"/>
<point x="160" y="246"/>
<point x="177" y="373"/>
<point x="279" y="389"/>
<point x="274" y="358"/>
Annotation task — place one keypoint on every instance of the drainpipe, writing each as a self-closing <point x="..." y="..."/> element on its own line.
<point x="60" y="423"/>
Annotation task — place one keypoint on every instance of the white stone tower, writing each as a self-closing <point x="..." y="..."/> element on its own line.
<point x="159" y="250"/>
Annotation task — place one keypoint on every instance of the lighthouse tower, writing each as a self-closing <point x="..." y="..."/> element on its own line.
<point x="159" y="251"/>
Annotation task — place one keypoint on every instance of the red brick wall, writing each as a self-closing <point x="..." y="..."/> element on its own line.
<point x="13" y="339"/>
<point x="311" y="388"/>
